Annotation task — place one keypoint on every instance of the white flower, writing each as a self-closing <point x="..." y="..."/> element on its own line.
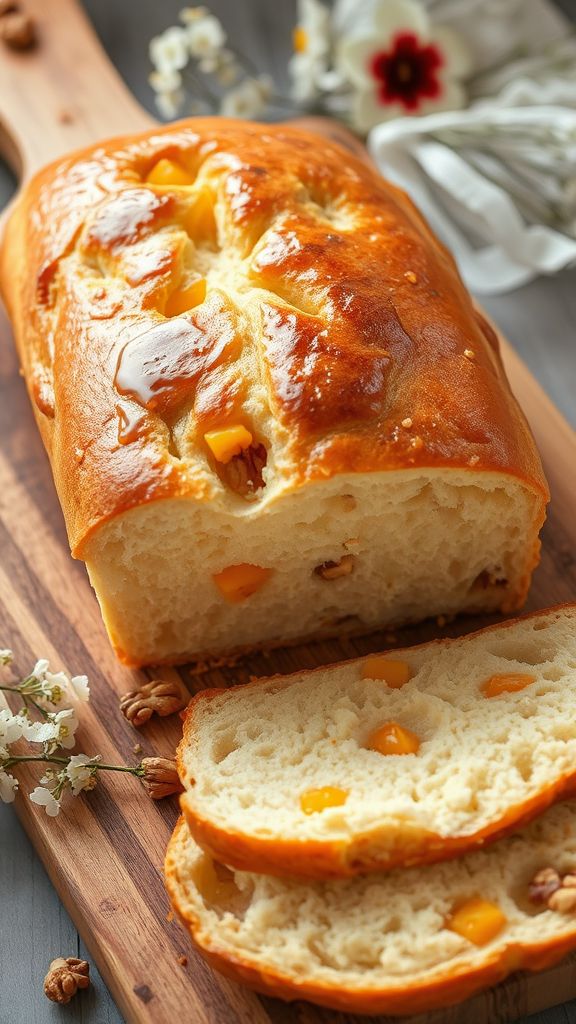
<point x="12" y="728"/>
<point x="81" y="772"/>
<point x="246" y="100"/>
<point x="169" y="104"/>
<point x="40" y="669"/>
<point x="45" y="798"/>
<point x="311" y="49"/>
<point x="223" y="65"/>
<point x="165" y="81"/>
<point x="188" y="14"/>
<point x="50" y="685"/>
<point x="404" y="66"/>
<point x="56" y="731"/>
<point x="80" y="687"/>
<point x="169" y="51"/>
<point x="6" y="656"/>
<point x="205" y="36"/>
<point x="8" y="787"/>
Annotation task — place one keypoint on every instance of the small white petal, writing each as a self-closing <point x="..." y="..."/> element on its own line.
<point x="393" y="16"/>
<point x="188" y="14"/>
<point x="169" y="51"/>
<point x="44" y="798"/>
<point x="8" y="787"/>
<point x="367" y="110"/>
<point x="355" y="58"/>
<point x="81" y="689"/>
<point x="244" y="101"/>
<point x="169" y="104"/>
<point x="40" y="669"/>
<point x="12" y="727"/>
<point x="458" y="61"/>
<point x="6" y="656"/>
<point x="206" y="36"/>
<point x="165" y="81"/>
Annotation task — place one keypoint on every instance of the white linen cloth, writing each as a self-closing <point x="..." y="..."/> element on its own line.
<point x="497" y="180"/>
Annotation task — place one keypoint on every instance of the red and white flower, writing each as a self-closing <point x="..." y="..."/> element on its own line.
<point x="404" y="66"/>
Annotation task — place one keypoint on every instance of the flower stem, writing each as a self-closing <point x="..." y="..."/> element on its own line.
<point x="20" y="759"/>
<point x="26" y="698"/>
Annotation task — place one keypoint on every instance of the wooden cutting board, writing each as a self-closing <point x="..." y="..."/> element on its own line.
<point x="105" y="852"/>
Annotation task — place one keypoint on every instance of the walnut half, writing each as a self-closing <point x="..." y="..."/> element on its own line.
<point x="243" y="473"/>
<point x="557" y="892"/>
<point x="157" y="697"/>
<point x="65" y="977"/>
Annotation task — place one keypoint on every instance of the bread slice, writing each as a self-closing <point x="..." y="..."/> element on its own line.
<point x="260" y="762"/>
<point x="382" y="944"/>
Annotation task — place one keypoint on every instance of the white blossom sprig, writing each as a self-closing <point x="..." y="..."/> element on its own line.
<point x="390" y="61"/>
<point x="197" y="71"/>
<point x="54" y="731"/>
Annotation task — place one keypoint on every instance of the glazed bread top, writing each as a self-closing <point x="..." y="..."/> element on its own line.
<point x="269" y="279"/>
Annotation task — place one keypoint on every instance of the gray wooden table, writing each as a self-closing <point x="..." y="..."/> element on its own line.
<point x="539" y="320"/>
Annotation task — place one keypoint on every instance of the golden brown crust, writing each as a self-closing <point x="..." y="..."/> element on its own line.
<point x="449" y="986"/>
<point x="361" y="322"/>
<point x="318" y="859"/>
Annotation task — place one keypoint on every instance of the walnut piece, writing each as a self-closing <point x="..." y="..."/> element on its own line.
<point x="556" y="891"/>
<point x="544" y="883"/>
<point x="65" y="977"/>
<point x="157" y="697"/>
<point x="333" y="570"/>
<point x="160" y="777"/>
<point x="17" y="30"/>
<point x="563" y="901"/>
<point x="243" y="473"/>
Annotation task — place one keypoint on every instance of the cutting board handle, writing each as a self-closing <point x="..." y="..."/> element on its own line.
<point x="63" y="93"/>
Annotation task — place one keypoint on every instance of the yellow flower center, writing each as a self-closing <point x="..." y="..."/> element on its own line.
<point x="300" y="39"/>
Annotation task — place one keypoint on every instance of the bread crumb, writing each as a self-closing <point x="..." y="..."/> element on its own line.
<point x="411" y="276"/>
<point x="137" y="748"/>
<point x="183" y="961"/>
<point x="469" y="353"/>
<point x="170" y="916"/>
<point x="407" y="423"/>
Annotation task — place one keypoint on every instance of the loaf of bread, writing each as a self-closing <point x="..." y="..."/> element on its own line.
<point x="404" y="942"/>
<point x="396" y="759"/>
<point x="271" y="409"/>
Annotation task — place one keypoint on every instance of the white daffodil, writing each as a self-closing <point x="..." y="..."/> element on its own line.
<point x="8" y="787"/>
<point x="45" y="798"/>
<point x="58" y="730"/>
<point x="170" y="104"/>
<point x="169" y="51"/>
<point x="165" y="81"/>
<point x="404" y="66"/>
<point x="205" y="35"/>
<point x="81" y="772"/>
<point x="6" y="656"/>
<point x="12" y="727"/>
<point x="311" y="48"/>
<point x="246" y="100"/>
<point x="81" y="689"/>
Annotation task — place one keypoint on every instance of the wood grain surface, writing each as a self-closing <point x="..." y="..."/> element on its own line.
<point x="105" y="855"/>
